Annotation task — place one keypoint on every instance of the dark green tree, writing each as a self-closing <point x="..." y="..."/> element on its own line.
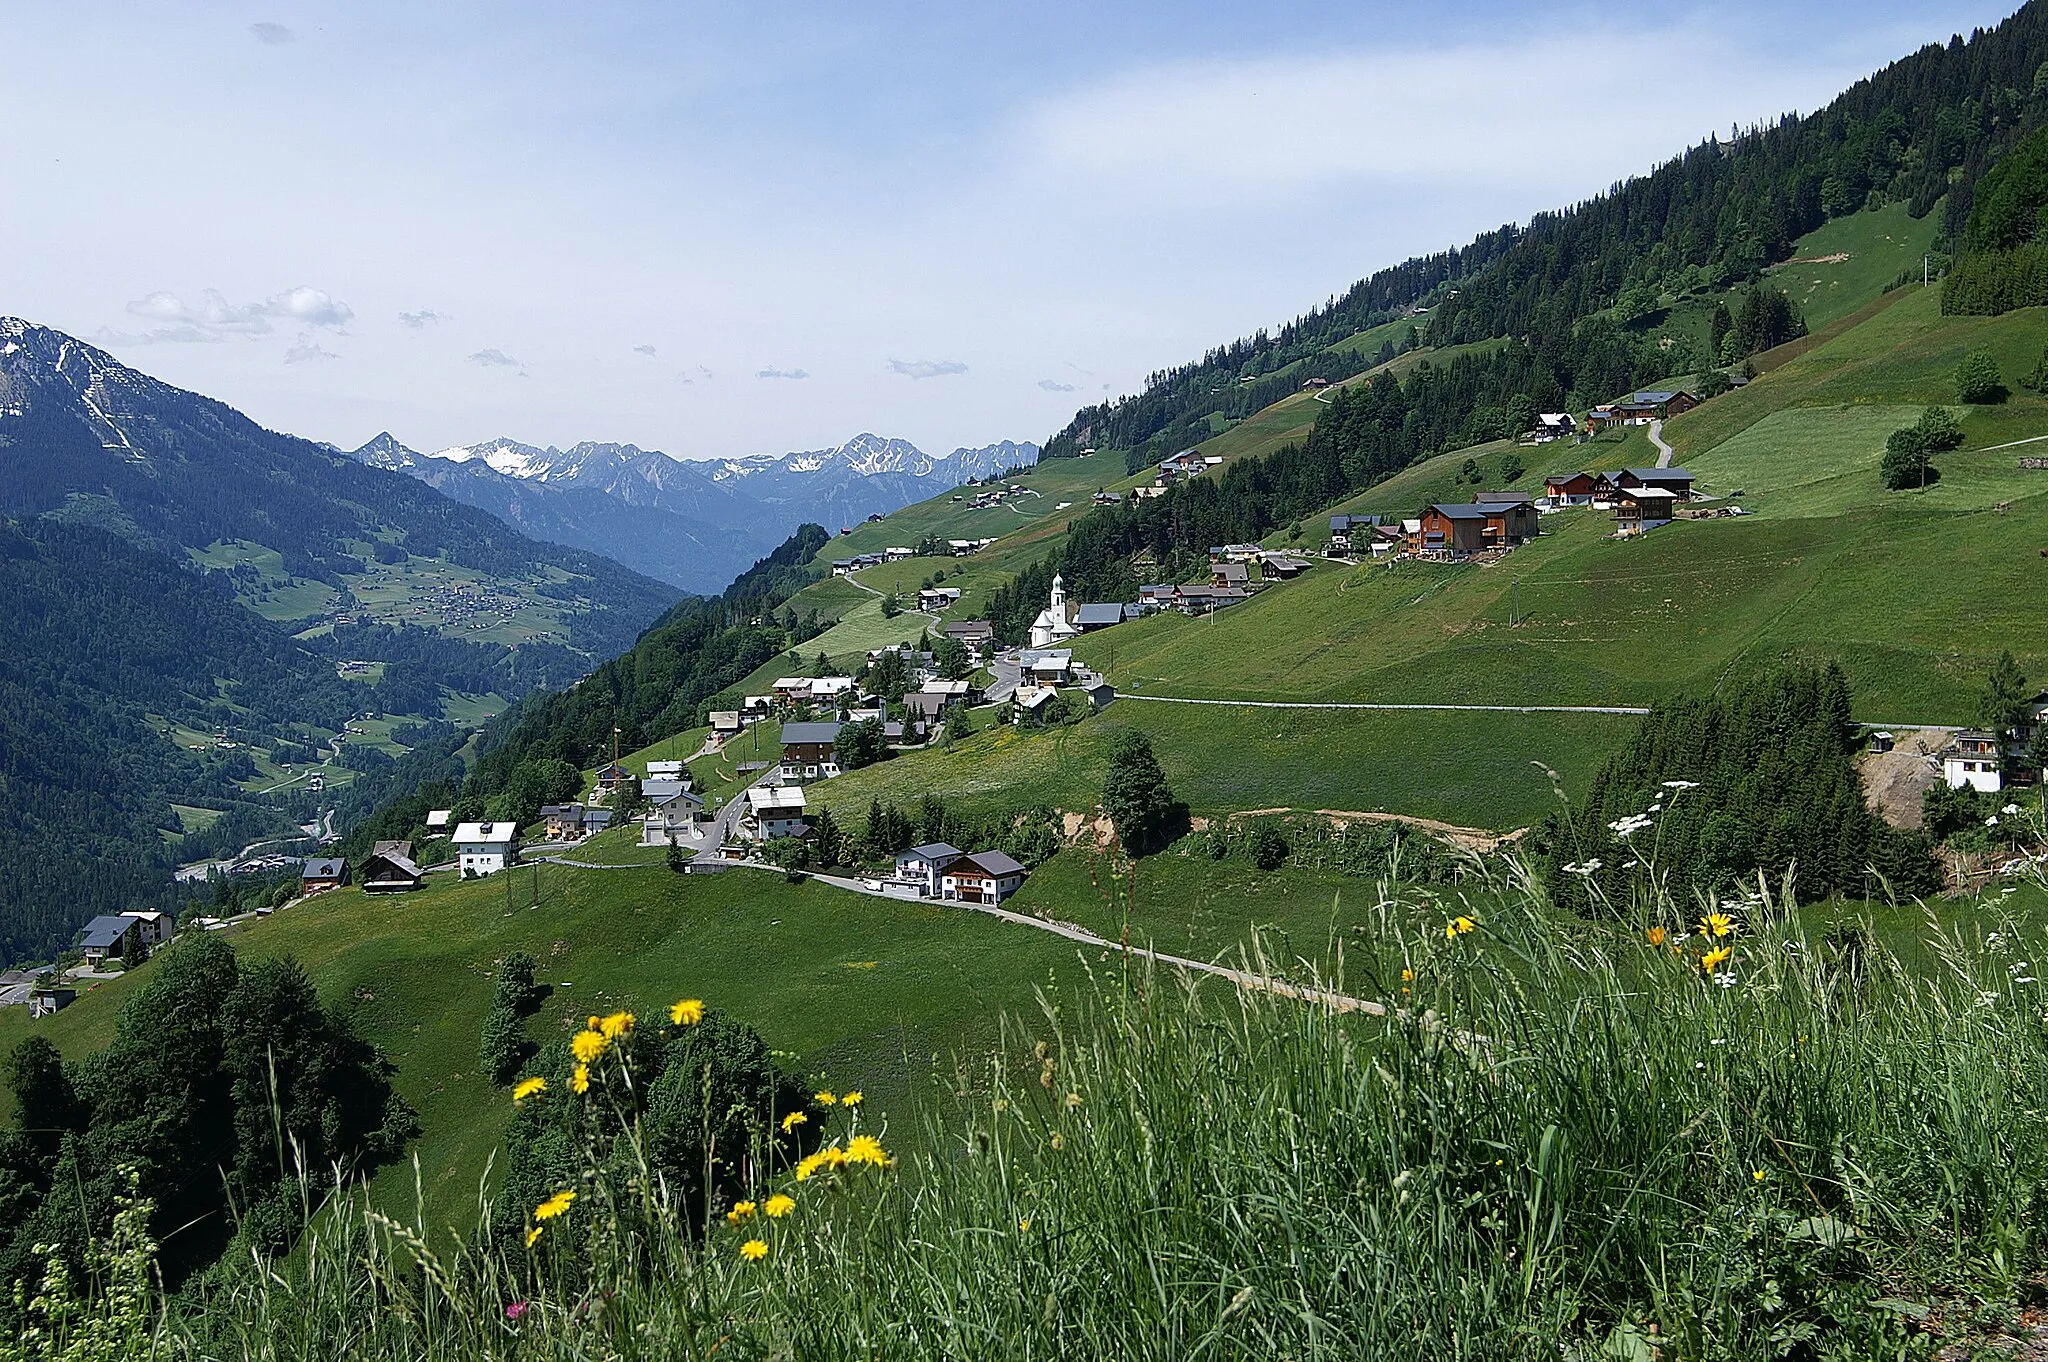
<point x="1139" y="802"/>
<point x="862" y="743"/>
<point x="2003" y="707"/>
<point x="1978" y="379"/>
<point x="950" y="658"/>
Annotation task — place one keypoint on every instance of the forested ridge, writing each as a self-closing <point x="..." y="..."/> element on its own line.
<point x="1922" y="131"/>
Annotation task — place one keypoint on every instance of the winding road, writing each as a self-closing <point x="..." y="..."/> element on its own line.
<point x="1657" y="439"/>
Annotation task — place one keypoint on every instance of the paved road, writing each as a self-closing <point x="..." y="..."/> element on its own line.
<point x="1338" y="704"/>
<point x="1657" y="439"/>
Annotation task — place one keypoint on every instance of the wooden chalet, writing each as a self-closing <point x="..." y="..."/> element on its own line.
<point x="390" y="869"/>
<point x="1570" y="489"/>
<point x="1448" y="531"/>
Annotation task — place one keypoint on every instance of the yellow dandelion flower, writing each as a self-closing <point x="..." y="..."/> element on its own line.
<point x="1464" y="925"/>
<point x="740" y="1210"/>
<point x="1450" y="931"/>
<point x="688" y="1012"/>
<point x="617" y="1026"/>
<point x="579" y="1082"/>
<point x="825" y="1099"/>
<point x="835" y="1157"/>
<point x="1407" y="976"/>
<point x="1656" y="935"/>
<point x="592" y="1023"/>
<point x="866" y="1149"/>
<point x="808" y="1166"/>
<point x="777" y="1206"/>
<point x="589" y="1046"/>
<point x="1716" y="924"/>
<point x="793" y="1120"/>
<point x="1715" y="958"/>
<point x="732" y="1217"/>
<point x="851" y="1099"/>
<point x="527" y="1087"/>
<point x="754" y="1250"/>
<point x="558" y="1204"/>
<point x="533" y="1236"/>
<point x="1758" y="1176"/>
<point x="1025" y="1224"/>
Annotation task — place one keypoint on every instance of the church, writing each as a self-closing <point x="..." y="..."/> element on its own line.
<point x="1053" y="627"/>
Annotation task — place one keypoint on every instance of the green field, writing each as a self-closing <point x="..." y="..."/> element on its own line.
<point x="1479" y="771"/>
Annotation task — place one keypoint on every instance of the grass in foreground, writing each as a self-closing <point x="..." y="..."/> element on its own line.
<point x="1569" y="1140"/>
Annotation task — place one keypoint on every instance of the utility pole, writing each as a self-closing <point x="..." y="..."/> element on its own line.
<point x="1925" y="270"/>
<point x="1514" y="602"/>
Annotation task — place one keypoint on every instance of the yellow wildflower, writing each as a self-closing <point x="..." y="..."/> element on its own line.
<point x="1025" y="1224"/>
<point x="1656" y="935"/>
<point x="740" y="1211"/>
<point x="688" y="1012"/>
<point x="527" y="1087"/>
<point x="1464" y="925"/>
<point x="617" y="1026"/>
<point x="1716" y="924"/>
<point x="1059" y="1141"/>
<point x="592" y="1023"/>
<point x="792" y="1121"/>
<point x="809" y="1165"/>
<point x="777" y="1206"/>
<point x="824" y="1099"/>
<point x="1715" y="958"/>
<point x="555" y="1205"/>
<point x="532" y="1236"/>
<point x="1758" y="1175"/>
<point x="851" y="1099"/>
<point x="579" y="1082"/>
<point x="754" y="1250"/>
<point x="1073" y="1100"/>
<point x="1407" y="976"/>
<point x="866" y="1149"/>
<point x="589" y="1046"/>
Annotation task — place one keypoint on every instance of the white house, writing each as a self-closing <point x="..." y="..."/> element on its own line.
<point x="156" y="928"/>
<point x="773" y="812"/>
<point x="1052" y="625"/>
<point x="669" y="770"/>
<point x="486" y="848"/>
<point x="437" y="820"/>
<point x="984" y="877"/>
<point x="925" y="864"/>
<point x="1971" y="761"/>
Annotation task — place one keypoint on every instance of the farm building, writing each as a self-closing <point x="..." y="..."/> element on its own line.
<point x="1570" y="489"/>
<point x="984" y="877"/>
<point x="323" y="872"/>
<point x="390" y="869"/>
<point x="1455" y="531"/>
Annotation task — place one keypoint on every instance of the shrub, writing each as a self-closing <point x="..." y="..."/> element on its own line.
<point x="1978" y="379"/>
<point x="1267" y="847"/>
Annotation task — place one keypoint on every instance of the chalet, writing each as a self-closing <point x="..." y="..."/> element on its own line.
<point x="984" y="877"/>
<point x="933" y="599"/>
<point x="1603" y="417"/>
<point x="1455" y="531"/>
<point x="663" y="793"/>
<point x="725" y="722"/>
<point x="978" y="635"/>
<point x="1029" y="702"/>
<point x="667" y="825"/>
<point x="1664" y="402"/>
<point x="1676" y="481"/>
<point x="1351" y="533"/>
<point x="1044" y="665"/>
<point x="1102" y="616"/>
<point x="1187" y="463"/>
<point x="936" y="697"/>
<point x="437" y="820"/>
<point x="1569" y="489"/>
<point x="1230" y="574"/>
<point x="773" y="812"/>
<point x="1971" y="761"/>
<point x="1634" y="413"/>
<point x="1196" y="600"/>
<point x="896" y="553"/>
<point x="792" y="687"/>
<point x="1234" y="553"/>
<point x="1108" y="499"/>
<point x="486" y="848"/>
<point x="826" y="689"/>
<point x="754" y="707"/>
<point x="1309" y="383"/>
<point x="924" y="864"/>
<point x="390" y="869"/>
<point x="809" y="750"/>
<point x="1281" y="567"/>
<point x="321" y="873"/>
<point x="612" y="776"/>
<point x="1553" y="425"/>
<point x="109" y="935"/>
<point x="1638" y="510"/>
<point x="153" y="928"/>
<point x="669" y="770"/>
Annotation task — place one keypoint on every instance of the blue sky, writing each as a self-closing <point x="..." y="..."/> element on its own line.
<point x="721" y="229"/>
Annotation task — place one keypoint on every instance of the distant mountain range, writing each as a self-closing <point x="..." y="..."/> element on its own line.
<point x="693" y="524"/>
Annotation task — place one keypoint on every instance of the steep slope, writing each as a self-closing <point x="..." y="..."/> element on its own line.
<point x="694" y="524"/>
<point x="86" y="438"/>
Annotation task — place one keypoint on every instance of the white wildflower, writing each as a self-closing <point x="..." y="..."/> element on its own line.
<point x="1681" y="784"/>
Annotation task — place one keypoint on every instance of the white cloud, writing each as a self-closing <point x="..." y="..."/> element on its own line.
<point x="782" y="373"/>
<point x="926" y="368"/>
<point x="272" y="35"/>
<point x="1053" y="385"/>
<point x="213" y="316"/>
<point x="425" y="316"/>
<point x="307" y="349"/>
<point x="646" y="350"/>
<point x="494" y="359"/>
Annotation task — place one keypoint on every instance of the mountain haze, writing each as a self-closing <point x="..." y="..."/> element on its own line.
<point x="692" y="524"/>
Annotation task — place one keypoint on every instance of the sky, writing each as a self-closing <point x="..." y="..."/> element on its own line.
<point x="722" y="229"/>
